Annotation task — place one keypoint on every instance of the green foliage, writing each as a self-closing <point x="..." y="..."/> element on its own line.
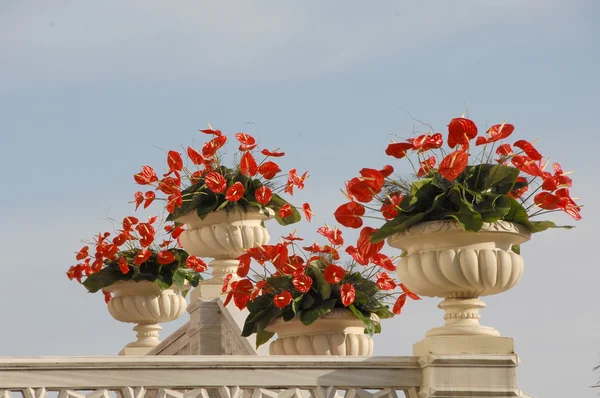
<point x="163" y="275"/>
<point x="199" y="198"/>
<point x="322" y="298"/>
<point x="480" y="194"/>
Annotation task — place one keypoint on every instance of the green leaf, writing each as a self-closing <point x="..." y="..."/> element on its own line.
<point x="516" y="248"/>
<point x="324" y="286"/>
<point x="312" y="314"/>
<point x="276" y="203"/>
<point x="262" y="337"/>
<point x="283" y="282"/>
<point x="493" y="207"/>
<point x="369" y="324"/>
<point x="492" y="176"/>
<point x="384" y="313"/>
<point x="422" y="194"/>
<point x="466" y="216"/>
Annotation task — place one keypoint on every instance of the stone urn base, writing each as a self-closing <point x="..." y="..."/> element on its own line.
<point x="336" y="333"/>
<point x="143" y="303"/>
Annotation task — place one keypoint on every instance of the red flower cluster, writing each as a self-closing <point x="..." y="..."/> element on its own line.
<point x="370" y="184"/>
<point x="132" y="246"/>
<point x="208" y="170"/>
<point x="298" y="263"/>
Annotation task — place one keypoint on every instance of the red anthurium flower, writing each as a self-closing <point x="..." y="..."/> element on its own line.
<point x="291" y="237"/>
<point x="149" y="197"/>
<point x="294" y="180"/>
<point x="391" y="206"/>
<point x="308" y="214"/>
<point x="314" y="248"/>
<point x="383" y="261"/>
<point x="169" y="185"/>
<point x="504" y="150"/>
<point x="559" y="180"/>
<point x="495" y="133"/>
<point x="75" y="272"/>
<point x="347" y="294"/>
<point x="174" y="162"/>
<point x="528" y="165"/>
<point x="277" y="254"/>
<point x="269" y="170"/>
<point x="364" y="245"/>
<point x="373" y="178"/>
<point x="83" y="253"/>
<point x="426" y="166"/>
<point x="210" y="148"/>
<point x="282" y="299"/>
<point x="400" y="301"/>
<point x="139" y="199"/>
<point x="195" y="157"/>
<point x="226" y="285"/>
<point x="241" y="292"/>
<point x="568" y="204"/>
<point x="129" y="222"/>
<point x="145" y="177"/>
<point x="263" y="195"/>
<point x="244" y="265"/>
<point x="356" y="255"/>
<point x="235" y="192"/>
<point x="302" y="283"/>
<point x="293" y="266"/>
<point x="386" y="171"/>
<point x="195" y="263"/>
<point x="517" y="193"/>
<point x="334" y="235"/>
<point x="245" y="139"/>
<point x="248" y="165"/>
<point x="274" y="153"/>
<point x="461" y="131"/>
<point x="334" y="273"/>
<point x="547" y="200"/>
<point x="409" y="293"/>
<point x="261" y="285"/>
<point x="215" y="182"/>
<point x="384" y="282"/>
<point x="174" y="201"/>
<point x="453" y="164"/>
<point x="360" y="190"/>
<point x="110" y="251"/>
<point x="211" y="131"/>
<point x="123" y="266"/>
<point x="120" y="239"/>
<point x="398" y="149"/>
<point x="165" y="257"/>
<point x="529" y="150"/>
<point x="427" y="142"/>
<point x="285" y="211"/>
<point x="107" y="296"/>
<point x="349" y="214"/>
<point x="142" y="256"/>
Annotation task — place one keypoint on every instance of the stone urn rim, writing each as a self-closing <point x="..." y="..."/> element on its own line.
<point x="225" y="216"/>
<point x="146" y="288"/>
<point x="517" y="233"/>
<point x="338" y="318"/>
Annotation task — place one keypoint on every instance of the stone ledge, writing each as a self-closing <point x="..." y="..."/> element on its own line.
<point x="464" y="345"/>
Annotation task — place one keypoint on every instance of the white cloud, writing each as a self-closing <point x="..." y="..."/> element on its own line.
<point x="72" y="42"/>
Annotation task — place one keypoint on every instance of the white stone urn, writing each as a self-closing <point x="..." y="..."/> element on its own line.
<point x="223" y="236"/>
<point x="145" y="304"/>
<point x="443" y="260"/>
<point x="336" y="333"/>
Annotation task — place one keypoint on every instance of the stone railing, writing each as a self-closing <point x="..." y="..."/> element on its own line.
<point x="209" y="376"/>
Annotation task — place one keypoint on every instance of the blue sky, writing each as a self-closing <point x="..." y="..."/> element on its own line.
<point x="89" y="90"/>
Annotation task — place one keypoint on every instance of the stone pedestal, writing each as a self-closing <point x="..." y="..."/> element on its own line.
<point x="469" y="375"/>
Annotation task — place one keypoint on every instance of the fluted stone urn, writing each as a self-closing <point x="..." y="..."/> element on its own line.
<point x="223" y="236"/>
<point x="443" y="260"/>
<point x="145" y="304"/>
<point x="336" y="333"/>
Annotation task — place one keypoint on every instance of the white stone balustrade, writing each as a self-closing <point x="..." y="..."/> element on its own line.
<point x="204" y="376"/>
